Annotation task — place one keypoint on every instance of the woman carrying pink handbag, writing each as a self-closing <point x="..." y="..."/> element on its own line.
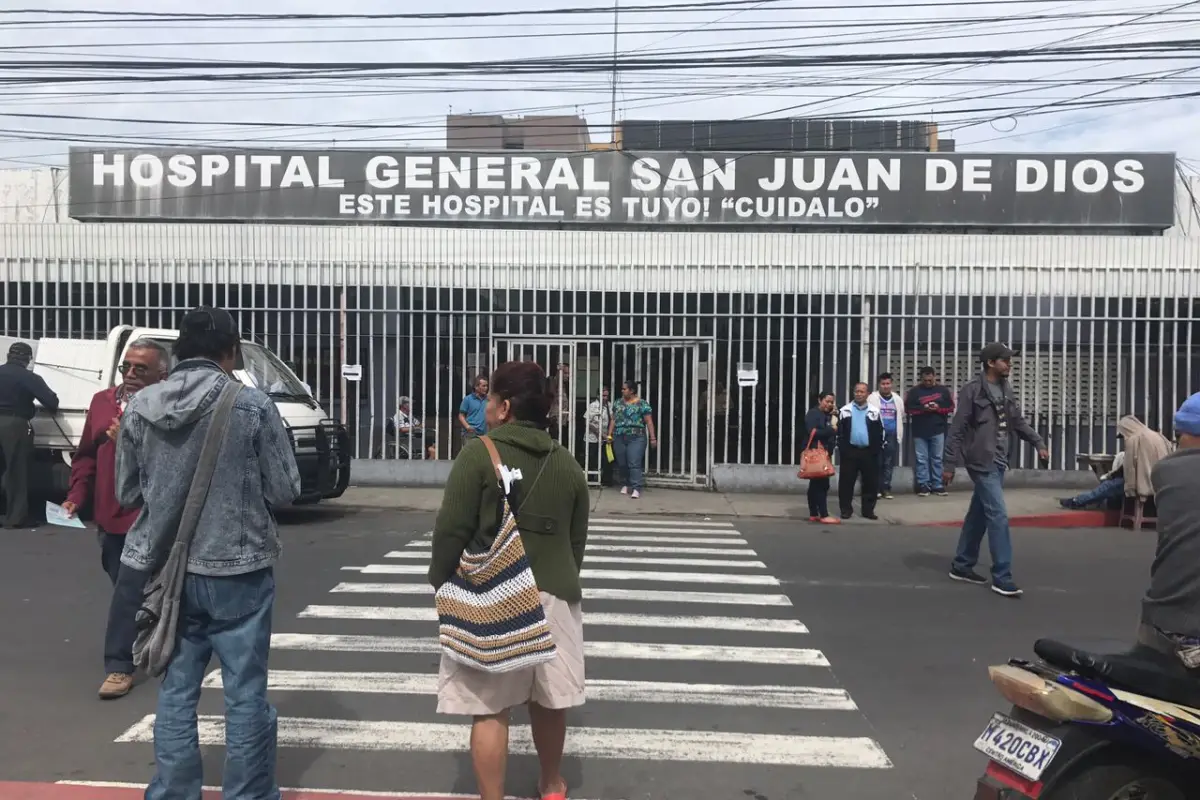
<point x="816" y="464"/>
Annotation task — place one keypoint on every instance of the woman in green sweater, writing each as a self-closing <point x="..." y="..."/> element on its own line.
<point x="550" y="500"/>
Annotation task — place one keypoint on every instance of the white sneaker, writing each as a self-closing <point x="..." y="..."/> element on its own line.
<point x="636" y="494"/>
<point x="624" y="490"/>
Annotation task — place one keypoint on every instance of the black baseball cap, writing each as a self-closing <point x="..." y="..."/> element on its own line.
<point x="209" y="318"/>
<point x="997" y="351"/>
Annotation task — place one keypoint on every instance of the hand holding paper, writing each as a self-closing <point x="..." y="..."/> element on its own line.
<point x="57" y="515"/>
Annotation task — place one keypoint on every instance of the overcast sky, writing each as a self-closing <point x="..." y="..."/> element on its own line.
<point x="985" y="104"/>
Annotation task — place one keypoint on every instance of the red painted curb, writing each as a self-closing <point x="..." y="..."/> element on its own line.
<point x="1066" y="519"/>
<point x="60" y="791"/>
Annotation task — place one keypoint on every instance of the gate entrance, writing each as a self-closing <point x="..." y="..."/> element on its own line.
<point x="674" y="376"/>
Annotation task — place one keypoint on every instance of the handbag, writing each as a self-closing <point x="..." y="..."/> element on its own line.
<point x="158" y="619"/>
<point x="814" y="461"/>
<point x="490" y="614"/>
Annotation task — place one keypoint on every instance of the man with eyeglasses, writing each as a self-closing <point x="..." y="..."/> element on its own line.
<point x="93" y="480"/>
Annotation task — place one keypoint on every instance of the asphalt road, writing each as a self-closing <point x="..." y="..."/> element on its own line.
<point x="892" y="714"/>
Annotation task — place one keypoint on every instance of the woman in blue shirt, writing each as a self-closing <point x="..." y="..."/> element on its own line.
<point x="632" y="419"/>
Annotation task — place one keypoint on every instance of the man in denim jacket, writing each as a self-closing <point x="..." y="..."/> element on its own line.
<point x="229" y="593"/>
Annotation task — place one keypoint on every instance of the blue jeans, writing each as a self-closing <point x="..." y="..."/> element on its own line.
<point x="989" y="515"/>
<point x="887" y="460"/>
<point x="230" y="616"/>
<point x="928" y="452"/>
<point x="630" y="451"/>
<point x="1107" y="490"/>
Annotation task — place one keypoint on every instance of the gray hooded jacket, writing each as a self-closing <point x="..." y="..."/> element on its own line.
<point x="162" y="431"/>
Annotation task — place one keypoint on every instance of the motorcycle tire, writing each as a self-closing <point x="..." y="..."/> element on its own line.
<point x="1099" y="781"/>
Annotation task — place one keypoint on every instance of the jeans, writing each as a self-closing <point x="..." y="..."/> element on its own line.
<point x="121" y="630"/>
<point x="989" y="515"/>
<point x="887" y="460"/>
<point x="928" y="452"/>
<point x="111" y="545"/>
<point x="630" y="450"/>
<point x="1107" y="490"/>
<point x="230" y="616"/>
<point x="818" y="497"/>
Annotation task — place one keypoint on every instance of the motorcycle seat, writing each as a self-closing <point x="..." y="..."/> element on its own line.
<point x="1139" y="669"/>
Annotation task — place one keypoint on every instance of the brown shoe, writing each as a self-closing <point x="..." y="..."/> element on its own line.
<point x="116" y="685"/>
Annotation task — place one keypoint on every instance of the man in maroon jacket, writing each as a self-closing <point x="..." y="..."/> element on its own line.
<point x="93" y="481"/>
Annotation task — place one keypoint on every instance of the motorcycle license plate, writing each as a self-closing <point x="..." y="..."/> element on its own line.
<point x="1022" y="749"/>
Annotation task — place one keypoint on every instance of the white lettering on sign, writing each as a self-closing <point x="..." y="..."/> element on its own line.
<point x="1088" y="176"/>
<point x="897" y="189"/>
<point x="814" y="175"/>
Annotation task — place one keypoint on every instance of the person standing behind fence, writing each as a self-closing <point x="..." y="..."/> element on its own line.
<point x="860" y="441"/>
<point x="930" y="405"/>
<point x="892" y="413"/>
<point x="228" y="594"/>
<point x="632" y="421"/>
<point x="597" y="419"/>
<point x="979" y="440"/>
<point x="471" y="411"/>
<point x="820" y="427"/>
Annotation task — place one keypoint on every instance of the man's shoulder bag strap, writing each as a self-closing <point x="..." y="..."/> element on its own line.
<point x="218" y="426"/>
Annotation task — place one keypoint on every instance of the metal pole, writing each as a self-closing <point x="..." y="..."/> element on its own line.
<point x="345" y="384"/>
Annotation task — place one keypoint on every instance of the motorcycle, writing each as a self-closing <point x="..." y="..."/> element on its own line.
<point x="1093" y="726"/>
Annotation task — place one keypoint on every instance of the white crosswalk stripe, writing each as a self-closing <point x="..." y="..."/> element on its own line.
<point x="648" y="644"/>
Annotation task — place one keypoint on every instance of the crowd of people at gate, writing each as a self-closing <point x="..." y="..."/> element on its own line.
<point x="614" y="437"/>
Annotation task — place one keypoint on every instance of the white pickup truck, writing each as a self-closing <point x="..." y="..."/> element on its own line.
<point x="78" y="368"/>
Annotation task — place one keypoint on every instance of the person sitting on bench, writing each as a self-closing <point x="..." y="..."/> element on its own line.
<point x="1130" y="475"/>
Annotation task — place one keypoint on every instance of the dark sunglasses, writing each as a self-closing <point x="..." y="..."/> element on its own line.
<point x="140" y="370"/>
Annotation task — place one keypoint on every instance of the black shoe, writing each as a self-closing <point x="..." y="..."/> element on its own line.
<point x="847" y="514"/>
<point x="1007" y="589"/>
<point x="871" y="516"/>
<point x="968" y="576"/>
<point x="942" y="493"/>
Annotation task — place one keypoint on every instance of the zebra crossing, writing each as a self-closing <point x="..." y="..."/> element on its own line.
<point x="694" y="657"/>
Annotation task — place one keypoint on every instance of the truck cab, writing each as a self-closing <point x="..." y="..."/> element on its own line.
<point x="78" y="368"/>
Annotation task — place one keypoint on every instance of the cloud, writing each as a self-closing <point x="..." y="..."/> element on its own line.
<point x="983" y="103"/>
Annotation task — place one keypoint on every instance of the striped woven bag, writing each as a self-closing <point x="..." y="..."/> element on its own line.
<point x="490" y="614"/>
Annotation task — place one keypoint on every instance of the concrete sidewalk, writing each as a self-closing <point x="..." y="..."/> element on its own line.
<point x="1026" y="507"/>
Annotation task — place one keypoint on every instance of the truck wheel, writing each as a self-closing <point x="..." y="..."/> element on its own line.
<point x="1099" y="781"/>
<point x="60" y="480"/>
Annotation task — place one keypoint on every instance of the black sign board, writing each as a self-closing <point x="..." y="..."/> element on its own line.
<point x="857" y="190"/>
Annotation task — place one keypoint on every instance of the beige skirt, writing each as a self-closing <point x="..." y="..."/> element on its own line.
<point x="555" y="684"/>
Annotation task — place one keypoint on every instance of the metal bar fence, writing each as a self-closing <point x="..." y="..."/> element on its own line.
<point x="1106" y="325"/>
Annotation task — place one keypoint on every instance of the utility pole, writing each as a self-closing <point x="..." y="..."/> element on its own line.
<point x="616" y="35"/>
